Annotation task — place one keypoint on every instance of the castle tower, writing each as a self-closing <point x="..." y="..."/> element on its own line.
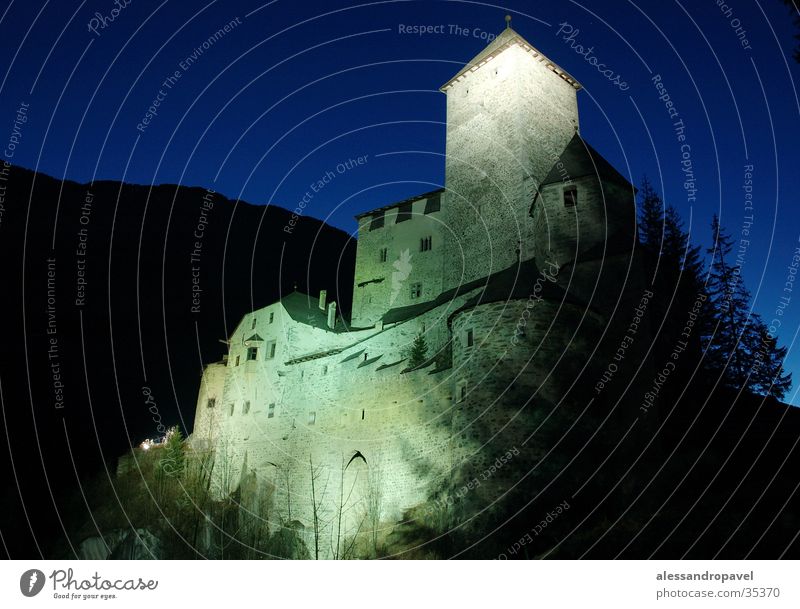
<point x="584" y="209"/>
<point x="510" y="113"/>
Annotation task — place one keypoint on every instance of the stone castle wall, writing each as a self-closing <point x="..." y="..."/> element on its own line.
<point x="424" y="434"/>
<point x="325" y="409"/>
<point x="335" y="424"/>
<point x="390" y="261"/>
<point x="603" y="215"/>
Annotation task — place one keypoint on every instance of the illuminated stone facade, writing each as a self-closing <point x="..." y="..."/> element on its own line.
<point x="499" y="273"/>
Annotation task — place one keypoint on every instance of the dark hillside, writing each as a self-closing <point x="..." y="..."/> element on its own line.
<point x="141" y="324"/>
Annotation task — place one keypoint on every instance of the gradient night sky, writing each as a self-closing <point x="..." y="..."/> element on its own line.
<point x="299" y="87"/>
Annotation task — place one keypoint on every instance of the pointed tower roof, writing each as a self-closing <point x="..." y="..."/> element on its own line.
<point x="506" y="39"/>
<point x="578" y="160"/>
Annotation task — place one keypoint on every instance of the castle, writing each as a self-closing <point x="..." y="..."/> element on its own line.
<point x="497" y="271"/>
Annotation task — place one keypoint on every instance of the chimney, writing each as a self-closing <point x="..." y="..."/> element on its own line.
<point x="332" y="316"/>
<point x="323" y="298"/>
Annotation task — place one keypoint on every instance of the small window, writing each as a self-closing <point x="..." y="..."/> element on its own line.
<point x="325" y="369"/>
<point x="362" y="414"/>
<point x="461" y="391"/>
<point x="237" y="360"/>
<point x="271" y="411"/>
<point x="426" y="244"/>
<point x="570" y="196"/>
<point x="211" y="403"/>
<point x="470" y="338"/>
<point x="271" y="317"/>
<point x="377" y="220"/>
<point x="253" y="325"/>
<point x="404" y="213"/>
<point x="433" y="204"/>
<point x="246" y="408"/>
<point x="232" y="407"/>
<point x="312" y="417"/>
<point x="416" y="290"/>
<point x="252" y="354"/>
<point x="271" y="349"/>
<point x="384" y="254"/>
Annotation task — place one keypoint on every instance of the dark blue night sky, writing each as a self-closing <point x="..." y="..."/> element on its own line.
<point x="295" y="89"/>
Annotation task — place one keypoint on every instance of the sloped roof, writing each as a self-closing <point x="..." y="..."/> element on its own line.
<point x="516" y="283"/>
<point x="426" y="195"/>
<point x="509" y="37"/>
<point x="511" y="283"/>
<point x="578" y="160"/>
<point x="304" y="309"/>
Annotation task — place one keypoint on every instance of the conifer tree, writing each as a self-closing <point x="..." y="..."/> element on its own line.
<point x="419" y="351"/>
<point x="730" y="302"/>
<point x="767" y="376"/>
<point x="651" y="232"/>
<point x="682" y="283"/>
<point x="651" y="218"/>
<point x="676" y="275"/>
<point x="678" y="248"/>
<point x="740" y="347"/>
<point x="794" y="11"/>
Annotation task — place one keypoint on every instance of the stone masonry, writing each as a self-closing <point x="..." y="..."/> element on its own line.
<point x="498" y="271"/>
